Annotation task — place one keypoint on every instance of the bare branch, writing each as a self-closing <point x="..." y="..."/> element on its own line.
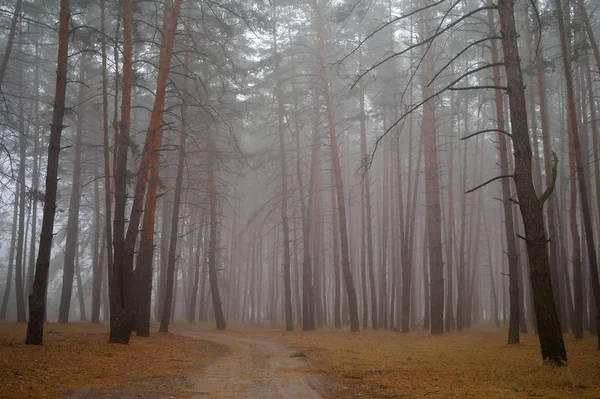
<point x="488" y="182"/>
<point x="487" y="131"/>
<point x="425" y="41"/>
<point x="487" y="87"/>
<point x="460" y="53"/>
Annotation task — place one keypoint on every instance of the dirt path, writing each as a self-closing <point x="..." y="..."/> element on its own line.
<point x="254" y="368"/>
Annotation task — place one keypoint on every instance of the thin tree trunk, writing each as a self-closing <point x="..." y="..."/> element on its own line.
<point x="432" y="183"/>
<point x="35" y="176"/>
<point x="73" y="220"/>
<point x="368" y="229"/>
<point x="289" y="318"/>
<point x="11" y="254"/>
<point x="37" y="299"/>
<point x="212" y="245"/>
<point x="96" y="265"/>
<point x="10" y="40"/>
<point x="575" y="142"/>
<point x="347" y="273"/>
<point x="513" y="257"/>
<point x="336" y="258"/>
<point x="19" y="288"/>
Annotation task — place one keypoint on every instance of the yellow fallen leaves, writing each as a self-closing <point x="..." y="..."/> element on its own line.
<point x="471" y="364"/>
<point x="79" y="355"/>
<point x="476" y="363"/>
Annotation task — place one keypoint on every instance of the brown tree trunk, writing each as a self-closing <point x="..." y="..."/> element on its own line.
<point x="196" y="281"/>
<point x="106" y="154"/>
<point x="96" y="265"/>
<point x="367" y="229"/>
<point x="35" y="176"/>
<point x="575" y="142"/>
<point x="347" y="273"/>
<point x="73" y="220"/>
<point x="11" y="255"/>
<point x="212" y="245"/>
<point x="550" y="335"/>
<point x="10" y="40"/>
<point x="289" y="318"/>
<point x="450" y="322"/>
<point x="37" y="299"/>
<point x="19" y="288"/>
<point x="511" y="249"/>
<point x="121" y="277"/>
<point x="336" y="258"/>
<point x="123" y="322"/>
<point x="432" y="183"/>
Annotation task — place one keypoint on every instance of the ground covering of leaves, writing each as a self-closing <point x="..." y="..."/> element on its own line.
<point x="472" y="364"/>
<point x="78" y="358"/>
<point x="476" y="363"/>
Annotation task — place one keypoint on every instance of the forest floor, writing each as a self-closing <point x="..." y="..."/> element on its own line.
<point x="476" y="363"/>
<point x="76" y="361"/>
<point x="265" y="362"/>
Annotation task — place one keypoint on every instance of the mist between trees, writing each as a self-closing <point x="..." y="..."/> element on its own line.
<point x="363" y="164"/>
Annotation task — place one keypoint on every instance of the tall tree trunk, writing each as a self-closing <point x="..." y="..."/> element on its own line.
<point x="194" y="293"/>
<point x="19" y="288"/>
<point x="212" y="245"/>
<point x="513" y="256"/>
<point x="123" y="322"/>
<point x="550" y="335"/>
<point x="347" y="273"/>
<point x="96" y="265"/>
<point x="121" y="278"/>
<point x="337" y="319"/>
<point x="79" y="252"/>
<point x="553" y="234"/>
<point x="368" y="229"/>
<point x="37" y="299"/>
<point x="35" y="176"/>
<point x="73" y="220"/>
<point x="11" y="255"/>
<point x="432" y="183"/>
<point x="289" y="318"/>
<point x="106" y="151"/>
<point x="450" y="322"/>
<point x="575" y="142"/>
<point x="10" y="40"/>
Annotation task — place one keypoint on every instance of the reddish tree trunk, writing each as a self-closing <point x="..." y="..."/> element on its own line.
<point x="37" y="299"/>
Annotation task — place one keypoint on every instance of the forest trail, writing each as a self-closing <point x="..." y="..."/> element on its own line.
<point x="255" y="368"/>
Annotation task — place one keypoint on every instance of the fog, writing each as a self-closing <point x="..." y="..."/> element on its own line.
<point x="352" y="164"/>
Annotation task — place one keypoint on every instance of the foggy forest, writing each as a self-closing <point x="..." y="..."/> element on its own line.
<point x="374" y="185"/>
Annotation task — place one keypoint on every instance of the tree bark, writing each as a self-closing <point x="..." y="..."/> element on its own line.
<point x="123" y="323"/>
<point x="550" y="335"/>
<point x="289" y="318"/>
<point x="73" y="220"/>
<point x="10" y="40"/>
<point x="347" y="273"/>
<point x="575" y="142"/>
<point x="432" y="183"/>
<point x="511" y="249"/>
<point x="37" y="299"/>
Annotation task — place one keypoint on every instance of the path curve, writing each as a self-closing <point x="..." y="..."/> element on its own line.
<point x="255" y="368"/>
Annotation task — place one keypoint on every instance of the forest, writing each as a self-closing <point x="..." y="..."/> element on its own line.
<point x="325" y="175"/>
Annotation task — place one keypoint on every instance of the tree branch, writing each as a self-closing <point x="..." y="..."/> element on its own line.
<point x="481" y="87"/>
<point x="487" y="131"/>
<point x="488" y="182"/>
